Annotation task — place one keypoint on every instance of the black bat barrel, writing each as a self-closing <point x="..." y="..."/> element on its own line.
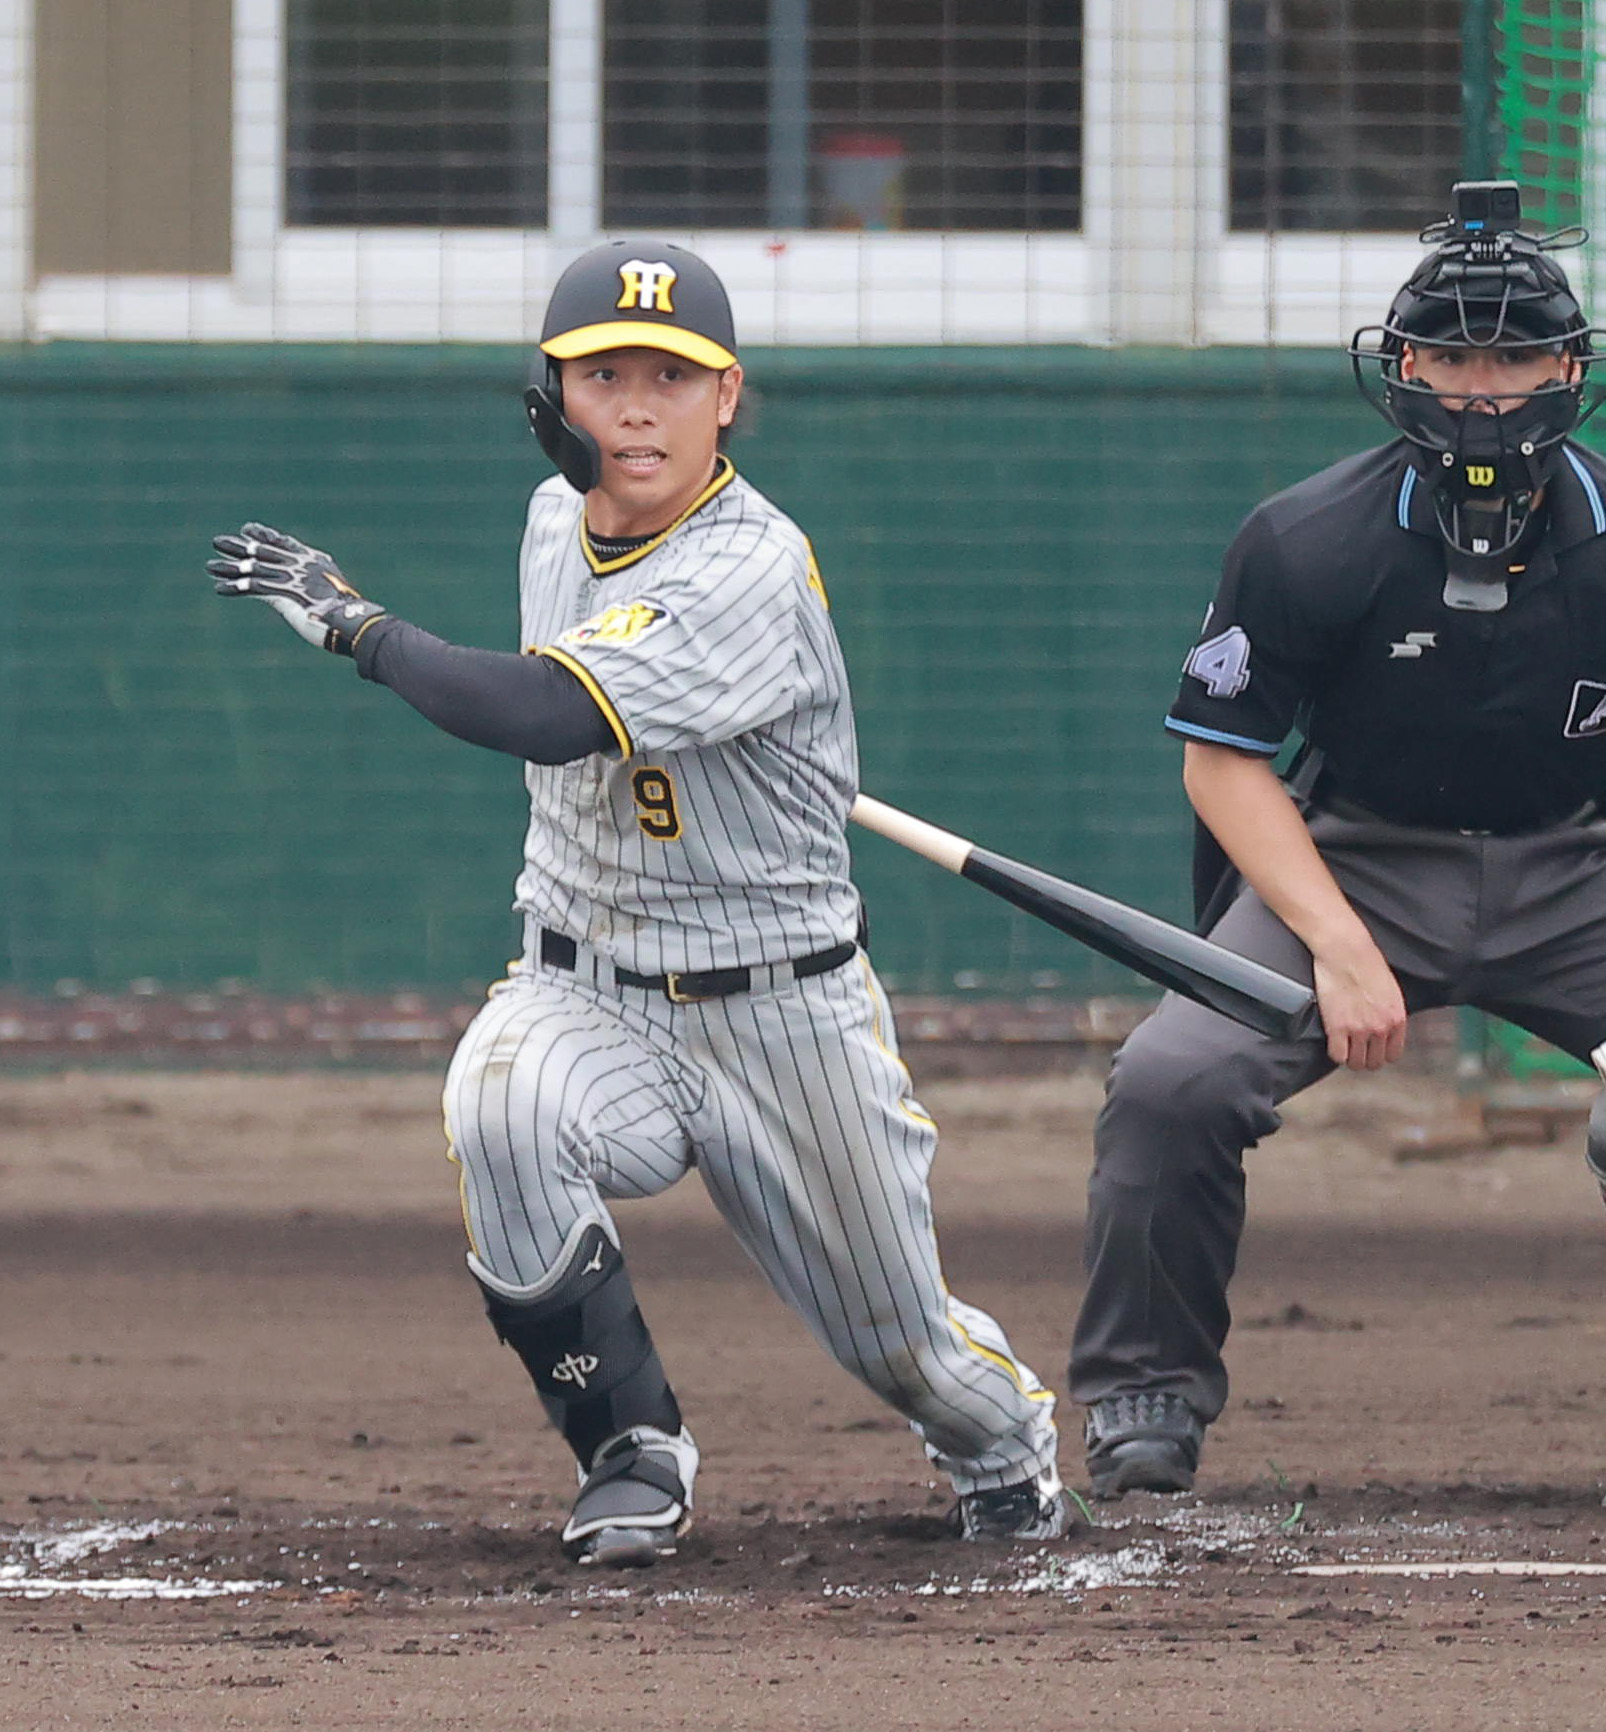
<point x="1249" y="992"/>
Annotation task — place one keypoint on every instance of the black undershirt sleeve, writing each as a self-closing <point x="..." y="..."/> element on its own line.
<point x="531" y="707"/>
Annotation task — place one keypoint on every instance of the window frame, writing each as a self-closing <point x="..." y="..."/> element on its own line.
<point x="1153" y="263"/>
<point x="16" y="167"/>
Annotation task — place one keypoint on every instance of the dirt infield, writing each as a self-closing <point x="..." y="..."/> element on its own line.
<point x="264" y="1466"/>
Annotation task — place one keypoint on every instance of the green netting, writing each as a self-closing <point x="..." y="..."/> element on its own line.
<point x="1519" y="1054"/>
<point x="1019" y="545"/>
<point x="1544" y="64"/>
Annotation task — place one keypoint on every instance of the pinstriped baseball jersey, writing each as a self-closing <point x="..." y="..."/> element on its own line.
<point x="714" y="836"/>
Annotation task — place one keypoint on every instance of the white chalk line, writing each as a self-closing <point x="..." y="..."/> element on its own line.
<point x="47" y="1553"/>
<point x="51" y="1551"/>
<point x="1458" y="1567"/>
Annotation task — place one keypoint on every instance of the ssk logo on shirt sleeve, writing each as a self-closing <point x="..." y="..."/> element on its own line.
<point x="1587" y="715"/>
<point x="626" y="624"/>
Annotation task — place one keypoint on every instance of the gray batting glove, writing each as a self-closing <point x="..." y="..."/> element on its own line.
<point x="298" y="582"/>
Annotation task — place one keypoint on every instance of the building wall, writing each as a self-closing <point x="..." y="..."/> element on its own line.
<point x="1018" y="545"/>
<point x="132" y="166"/>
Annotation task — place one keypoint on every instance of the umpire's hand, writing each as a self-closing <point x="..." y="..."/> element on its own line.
<point x="295" y="580"/>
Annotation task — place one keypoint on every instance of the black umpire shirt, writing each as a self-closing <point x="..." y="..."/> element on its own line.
<point x="1331" y="619"/>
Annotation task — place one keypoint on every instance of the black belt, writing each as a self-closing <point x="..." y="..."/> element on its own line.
<point x="1341" y="806"/>
<point x="558" y="951"/>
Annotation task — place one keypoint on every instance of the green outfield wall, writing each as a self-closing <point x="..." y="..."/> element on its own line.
<point x="1018" y="546"/>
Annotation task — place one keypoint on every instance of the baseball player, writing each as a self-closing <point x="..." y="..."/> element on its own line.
<point x="1431" y="617"/>
<point x="691" y="992"/>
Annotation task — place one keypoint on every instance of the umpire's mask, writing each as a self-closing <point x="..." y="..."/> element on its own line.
<point x="1484" y="287"/>
<point x="624" y="295"/>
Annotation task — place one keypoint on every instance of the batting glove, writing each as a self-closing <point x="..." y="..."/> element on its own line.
<point x="297" y="582"/>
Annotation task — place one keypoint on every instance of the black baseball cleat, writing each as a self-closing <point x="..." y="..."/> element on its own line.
<point x="1145" y="1441"/>
<point x="635" y="1503"/>
<point x="1030" y="1509"/>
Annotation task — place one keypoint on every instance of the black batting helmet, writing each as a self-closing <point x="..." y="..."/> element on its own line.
<point x="630" y="294"/>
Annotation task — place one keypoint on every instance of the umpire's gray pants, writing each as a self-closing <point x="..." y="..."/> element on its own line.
<point x="1515" y="925"/>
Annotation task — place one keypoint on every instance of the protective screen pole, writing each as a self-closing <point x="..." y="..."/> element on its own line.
<point x="1478" y="153"/>
<point x="1478" y="162"/>
<point x="789" y="114"/>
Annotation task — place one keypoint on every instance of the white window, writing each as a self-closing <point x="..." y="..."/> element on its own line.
<point x="859" y="171"/>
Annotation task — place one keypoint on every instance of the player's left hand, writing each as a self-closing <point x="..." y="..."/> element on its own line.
<point x="298" y="582"/>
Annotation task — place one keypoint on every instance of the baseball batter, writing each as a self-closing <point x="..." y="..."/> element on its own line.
<point x="691" y="990"/>
<point x="1431" y="617"/>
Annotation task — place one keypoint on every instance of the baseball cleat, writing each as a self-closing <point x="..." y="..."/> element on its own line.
<point x="1145" y="1441"/>
<point x="635" y="1503"/>
<point x="1030" y="1509"/>
<point x="627" y="1548"/>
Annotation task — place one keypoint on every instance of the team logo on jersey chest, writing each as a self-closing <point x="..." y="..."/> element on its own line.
<point x="1586" y="715"/>
<point x="625" y="624"/>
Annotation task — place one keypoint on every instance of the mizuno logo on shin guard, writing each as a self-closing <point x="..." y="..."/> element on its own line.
<point x="575" y="1368"/>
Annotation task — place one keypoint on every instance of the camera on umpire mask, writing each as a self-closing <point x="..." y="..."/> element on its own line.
<point x="1479" y="240"/>
<point x="1480" y="208"/>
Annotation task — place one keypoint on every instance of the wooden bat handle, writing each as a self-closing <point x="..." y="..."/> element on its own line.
<point x="943" y="846"/>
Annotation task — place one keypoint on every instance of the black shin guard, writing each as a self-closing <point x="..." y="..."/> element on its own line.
<point x="1595" y="1145"/>
<point x="587" y="1350"/>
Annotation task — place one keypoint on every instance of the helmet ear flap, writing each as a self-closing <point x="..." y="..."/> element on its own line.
<point x="575" y="452"/>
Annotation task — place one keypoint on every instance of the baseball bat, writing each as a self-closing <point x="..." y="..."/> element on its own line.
<point x="1249" y="992"/>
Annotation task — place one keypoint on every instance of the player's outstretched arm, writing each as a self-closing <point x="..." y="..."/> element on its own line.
<point x="300" y="583"/>
<point x="530" y="707"/>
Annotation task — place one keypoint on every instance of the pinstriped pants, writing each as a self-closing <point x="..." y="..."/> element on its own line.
<point x="797" y="1113"/>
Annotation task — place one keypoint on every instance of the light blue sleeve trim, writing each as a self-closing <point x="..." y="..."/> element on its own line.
<point x="1591" y="491"/>
<point x="1407" y="488"/>
<point x="1216" y="737"/>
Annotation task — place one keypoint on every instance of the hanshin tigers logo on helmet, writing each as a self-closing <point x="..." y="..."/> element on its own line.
<point x="646" y="285"/>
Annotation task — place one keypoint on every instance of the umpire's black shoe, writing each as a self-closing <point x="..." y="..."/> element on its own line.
<point x="1030" y="1509"/>
<point x="636" y="1501"/>
<point x="1145" y="1441"/>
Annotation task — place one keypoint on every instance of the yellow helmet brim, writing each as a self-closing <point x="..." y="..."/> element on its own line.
<point x="638" y="334"/>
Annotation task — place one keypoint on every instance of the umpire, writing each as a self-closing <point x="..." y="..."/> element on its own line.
<point x="1430" y="617"/>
